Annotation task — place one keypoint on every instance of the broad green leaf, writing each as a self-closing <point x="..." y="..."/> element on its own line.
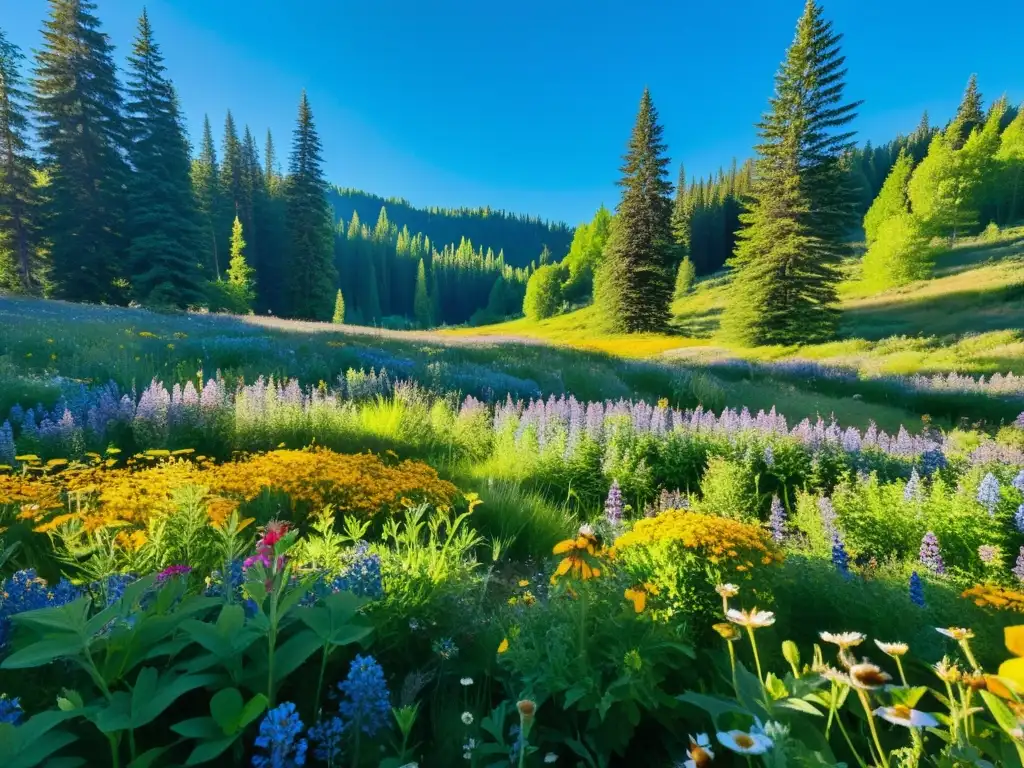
<point x="800" y="706"/>
<point x="199" y="728"/>
<point x="35" y="752"/>
<point x="1004" y="717"/>
<point x="908" y="697"/>
<point x="252" y="709"/>
<point x="210" y="750"/>
<point x="715" y="706"/>
<point x="44" y="652"/>
<point x="69" y="618"/>
<point x="775" y="687"/>
<point x="294" y="651"/>
<point x="168" y="691"/>
<point x="149" y="757"/>
<point x="226" y="708"/>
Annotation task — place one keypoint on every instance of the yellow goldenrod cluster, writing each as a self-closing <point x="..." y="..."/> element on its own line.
<point x="99" y="496"/>
<point x="732" y="543"/>
<point x="990" y="596"/>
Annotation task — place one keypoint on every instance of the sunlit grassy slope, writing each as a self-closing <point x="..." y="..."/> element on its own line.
<point x="969" y="317"/>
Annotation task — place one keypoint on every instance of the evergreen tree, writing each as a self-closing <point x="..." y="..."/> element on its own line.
<point x="421" y="299"/>
<point x="232" y="185"/>
<point x="682" y="214"/>
<point x="338" y="318"/>
<point x="585" y="254"/>
<point x="892" y="199"/>
<point x="684" y="278"/>
<point x="941" y="189"/>
<point x="165" y="247"/>
<point x="206" y="187"/>
<point x="311" y="274"/>
<point x="979" y="156"/>
<point x="786" y="265"/>
<point x="82" y="140"/>
<point x="969" y="115"/>
<point x="241" y="276"/>
<point x="900" y="254"/>
<point x="634" y="286"/>
<point x="273" y="237"/>
<point x="22" y="262"/>
<point x="436" y="310"/>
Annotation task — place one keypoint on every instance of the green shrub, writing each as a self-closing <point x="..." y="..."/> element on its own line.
<point x="728" y="490"/>
<point x="544" y="292"/>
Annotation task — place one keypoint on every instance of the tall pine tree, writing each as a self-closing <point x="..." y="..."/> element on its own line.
<point x="22" y="266"/>
<point x="166" y="241"/>
<point x="633" y="286"/>
<point x="206" y="187"/>
<point x="82" y="140"/>
<point x="892" y="199"/>
<point x="682" y="214"/>
<point x="786" y="264"/>
<point x="241" y="277"/>
<point x="969" y="115"/>
<point x="311" y="275"/>
<point x="232" y="186"/>
<point x="421" y="299"/>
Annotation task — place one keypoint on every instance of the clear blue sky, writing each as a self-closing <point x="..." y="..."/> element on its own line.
<point x="527" y="106"/>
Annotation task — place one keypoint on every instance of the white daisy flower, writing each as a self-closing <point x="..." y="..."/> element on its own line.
<point x="893" y="649"/>
<point x="753" y="619"/>
<point x="727" y="590"/>
<point x="957" y="633"/>
<point x="550" y="757"/>
<point x="466" y="681"/>
<point x="907" y="717"/>
<point x="868" y="676"/>
<point x="744" y="742"/>
<point x="467" y="718"/>
<point x="843" y="639"/>
<point x="700" y="753"/>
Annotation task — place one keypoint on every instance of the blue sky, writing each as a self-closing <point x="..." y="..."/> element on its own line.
<point x="527" y="106"/>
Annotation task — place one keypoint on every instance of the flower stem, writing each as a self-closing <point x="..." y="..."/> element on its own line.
<point x="849" y="742"/>
<point x="883" y="759"/>
<point x="732" y="665"/>
<point x="899" y="666"/>
<point x="757" y="658"/>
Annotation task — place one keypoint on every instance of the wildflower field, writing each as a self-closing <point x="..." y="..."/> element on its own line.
<point x="275" y="546"/>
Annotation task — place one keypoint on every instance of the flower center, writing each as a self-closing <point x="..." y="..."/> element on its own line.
<point x="743" y="740"/>
<point x="901" y="711"/>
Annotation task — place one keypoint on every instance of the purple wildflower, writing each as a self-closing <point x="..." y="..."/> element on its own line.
<point x="1018" y="568"/>
<point x="777" y="520"/>
<point x="912" y="490"/>
<point x="917" y="589"/>
<point x="988" y="493"/>
<point x="930" y="554"/>
<point x="172" y="571"/>
<point x="988" y="554"/>
<point x="613" y="505"/>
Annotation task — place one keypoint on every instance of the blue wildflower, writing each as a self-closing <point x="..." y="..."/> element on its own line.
<point x="25" y="591"/>
<point x="840" y="557"/>
<point x="930" y="555"/>
<point x="227" y="584"/>
<point x="917" y="590"/>
<point x="326" y="737"/>
<point x="10" y="710"/>
<point x="769" y="456"/>
<point x="7" y="448"/>
<point x="1018" y="481"/>
<point x="988" y="493"/>
<point x="777" y="520"/>
<point x="1018" y="518"/>
<point x="932" y="460"/>
<point x="613" y="505"/>
<point x="278" y="734"/>
<point x="829" y="517"/>
<point x="367" y="699"/>
<point x="362" y="576"/>
<point x="114" y="586"/>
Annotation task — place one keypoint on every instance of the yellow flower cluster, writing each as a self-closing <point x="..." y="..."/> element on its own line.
<point x="732" y="543"/>
<point x="989" y="596"/>
<point x="581" y="559"/>
<point x="103" y="497"/>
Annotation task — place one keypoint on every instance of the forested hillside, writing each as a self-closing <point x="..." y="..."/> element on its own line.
<point x="521" y="237"/>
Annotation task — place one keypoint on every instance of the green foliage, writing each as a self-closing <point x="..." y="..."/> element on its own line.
<point x="23" y="262"/>
<point x="1010" y="160"/>
<point x="544" y="292"/>
<point x="311" y="274"/>
<point x="206" y="186"/>
<point x="164" y="221"/>
<point x="241" y="277"/>
<point x="900" y="254"/>
<point x="633" y="286"/>
<point x="685" y="276"/>
<point x="794" y="236"/>
<point x="728" y="490"/>
<point x="338" y="318"/>
<point x="942" y="188"/>
<point x="892" y="199"/>
<point x="82" y="139"/>
<point x="421" y="298"/>
<point x="585" y="254"/>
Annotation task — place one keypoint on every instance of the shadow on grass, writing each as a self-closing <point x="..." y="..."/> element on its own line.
<point x="697" y="325"/>
<point x="979" y="311"/>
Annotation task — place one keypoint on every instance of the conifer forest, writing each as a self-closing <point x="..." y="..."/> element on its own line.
<point x="293" y="473"/>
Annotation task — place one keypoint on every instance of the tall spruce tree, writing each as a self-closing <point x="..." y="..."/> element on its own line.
<point x="232" y="194"/>
<point x="206" y="187"/>
<point x="338" y="318"/>
<point x="1010" y="160"/>
<point x="241" y="276"/>
<point x="802" y="204"/>
<point x="892" y="199"/>
<point x="421" y="299"/>
<point x="78" y="111"/>
<point x="682" y="213"/>
<point x="311" y="275"/>
<point x="969" y="115"/>
<point x="633" y="286"/>
<point x="165" y="250"/>
<point x="22" y="263"/>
